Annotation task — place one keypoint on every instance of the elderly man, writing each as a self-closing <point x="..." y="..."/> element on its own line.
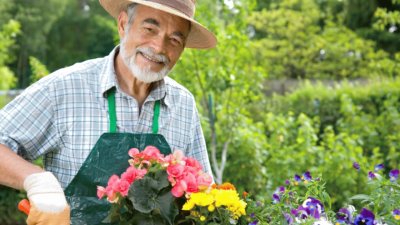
<point x="82" y="119"/>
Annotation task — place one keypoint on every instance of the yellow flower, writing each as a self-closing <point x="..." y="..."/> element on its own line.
<point x="225" y="197"/>
<point x="230" y="199"/>
<point x="201" y="199"/>
<point x="202" y="218"/>
<point x="211" y="208"/>
<point x="188" y="205"/>
<point x="198" y="199"/>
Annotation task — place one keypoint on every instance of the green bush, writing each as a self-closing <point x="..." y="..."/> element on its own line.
<point x="327" y="129"/>
<point x="9" y="214"/>
<point x="369" y="110"/>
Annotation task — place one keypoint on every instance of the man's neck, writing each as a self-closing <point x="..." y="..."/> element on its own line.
<point x="130" y="84"/>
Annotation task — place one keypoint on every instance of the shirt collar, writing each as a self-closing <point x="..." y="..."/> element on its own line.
<point x="108" y="81"/>
<point x="107" y="74"/>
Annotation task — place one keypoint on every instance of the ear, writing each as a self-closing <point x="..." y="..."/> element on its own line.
<point x="122" y="21"/>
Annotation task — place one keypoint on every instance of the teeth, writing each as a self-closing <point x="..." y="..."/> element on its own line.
<point x="151" y="59"/>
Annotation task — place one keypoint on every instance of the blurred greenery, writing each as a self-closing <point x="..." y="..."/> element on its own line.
<point x="344" y="54"/>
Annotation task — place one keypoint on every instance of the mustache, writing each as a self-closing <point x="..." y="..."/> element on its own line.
<point x="150" y="52"/>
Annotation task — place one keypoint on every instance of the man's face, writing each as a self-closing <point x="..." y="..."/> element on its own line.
<point x="153" y="43"/>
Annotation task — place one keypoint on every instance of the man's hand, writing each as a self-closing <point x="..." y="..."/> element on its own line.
<point x="47" y="199"/>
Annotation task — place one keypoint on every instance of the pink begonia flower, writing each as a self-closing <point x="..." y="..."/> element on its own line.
<point x="175" y="170"/>
<point x="177" y="157"/>
<point x="145" y="163"/>
<point x="114" y="178"/>
<point x="204" y="181"/>
<point x="172" y="180"/>
<point x="140" y="173"/>
<point x="191" y="162"/>
<point x="152" y="153"/>
<point x="132" y="152"/>
<point x="113" y="198"/>
<point x="124" y="187"/>
<point x="179" y="189"/>
<point x="132" y="174"/>
<point x="191" y="183"/>
<point x="101" y="191"/>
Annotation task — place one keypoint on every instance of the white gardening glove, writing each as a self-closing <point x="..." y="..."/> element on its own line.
<point x="47" y="200"/>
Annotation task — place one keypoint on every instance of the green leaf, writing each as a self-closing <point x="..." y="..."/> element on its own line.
<point x="143" y="219"/>
<point x="143" y="194"/>
<point x="166" y="204"/>
<point x="152" y="194"/>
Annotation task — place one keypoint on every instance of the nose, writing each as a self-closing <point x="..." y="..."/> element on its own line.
<point x="159" y="44"/>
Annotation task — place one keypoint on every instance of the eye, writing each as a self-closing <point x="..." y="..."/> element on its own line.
<point x="149" y="29"/>
<point x="176" y="41"/>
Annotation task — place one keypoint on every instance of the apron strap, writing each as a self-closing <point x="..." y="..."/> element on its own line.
<point x="156" y="116"/>
<point x="111" y="110"/>
<point x="113" y="115"/>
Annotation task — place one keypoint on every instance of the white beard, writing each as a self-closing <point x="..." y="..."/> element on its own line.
<point x="145" y="74"/>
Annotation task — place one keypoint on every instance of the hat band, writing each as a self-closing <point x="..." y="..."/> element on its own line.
<point x="184" y="6"/>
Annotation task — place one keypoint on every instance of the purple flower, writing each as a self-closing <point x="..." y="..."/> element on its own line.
<point x="366" y="217"/>
<point x="276" y="198"/>
<point x="297" y="178"/>
<point x="356" y="166"/>
<point x="300" y="212"/>
<point x="289" y="218"/>
<point x="344" y="216"/>
<point x="396" y="214"/>
<point x="379" y="167"/>
<point x="307" y="176"/>
<point x="252" y="215"/>
<point x="313" y="207"/>
<point x="394" y="175"/>
<point x="371" y="175"/>
<point x="255" y="222"/>
<point x="287" y="182"/>
<point x="281" y="189"/>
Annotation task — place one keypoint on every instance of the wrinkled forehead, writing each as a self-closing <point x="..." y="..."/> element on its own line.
<point x="145" y="14"/>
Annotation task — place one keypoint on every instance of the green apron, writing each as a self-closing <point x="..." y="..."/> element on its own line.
<point x="109" y="156"/>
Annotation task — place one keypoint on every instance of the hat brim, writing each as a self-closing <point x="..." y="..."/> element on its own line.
<point x="199" y="36"/>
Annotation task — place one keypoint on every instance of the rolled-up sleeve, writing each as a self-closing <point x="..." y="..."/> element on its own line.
<point x="26" y="123"/>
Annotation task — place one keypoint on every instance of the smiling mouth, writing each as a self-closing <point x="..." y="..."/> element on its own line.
<point x="151" y="58"/>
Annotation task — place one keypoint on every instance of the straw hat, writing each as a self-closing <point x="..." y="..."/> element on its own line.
<point x="199" y="36"/>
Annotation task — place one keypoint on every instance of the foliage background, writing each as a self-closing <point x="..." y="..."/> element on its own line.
<point x="343" y="57"/>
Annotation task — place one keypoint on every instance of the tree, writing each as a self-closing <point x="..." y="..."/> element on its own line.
<point x="36" y="18"/>
<point x="8" y="33"/>
<point x="298" y="41"/>
<point x="227" y="83"/>
<point x="84" y="31"/>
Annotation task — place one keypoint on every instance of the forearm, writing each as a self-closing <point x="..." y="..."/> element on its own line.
<point x="14" y="169"/>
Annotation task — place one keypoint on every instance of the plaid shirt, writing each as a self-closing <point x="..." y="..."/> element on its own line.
<point x="63" y="115"/>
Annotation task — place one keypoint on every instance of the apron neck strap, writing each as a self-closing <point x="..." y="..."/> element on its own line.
<point x="113" y="115"/>
<point x="156" y="116"/>
<point x="111" y="110"/>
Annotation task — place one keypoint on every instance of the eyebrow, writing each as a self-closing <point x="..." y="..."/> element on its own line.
<point x="151" y="21"/>
<point x="156" y="23"/>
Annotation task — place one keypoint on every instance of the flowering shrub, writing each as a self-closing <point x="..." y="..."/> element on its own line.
<point x="152" y="186"/>
<point x="303" y="200"/>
